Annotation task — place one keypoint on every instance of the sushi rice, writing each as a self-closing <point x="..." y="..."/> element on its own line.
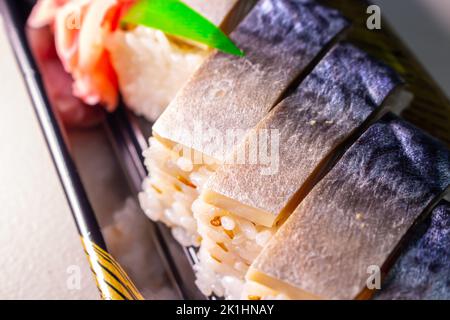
<point x="229" y="246"/>
<point x="171" y="188"/>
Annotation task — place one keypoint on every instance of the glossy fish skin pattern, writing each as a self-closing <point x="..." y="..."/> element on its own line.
<point x="423" y="269"/>
<point x="290" y="29"/>
<point x="358" y="213"/>
<point x="280" y="39"/>
<point x="341" y="93"/>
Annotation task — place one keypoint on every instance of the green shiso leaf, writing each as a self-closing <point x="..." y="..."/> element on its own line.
<point x="176" y="18"/>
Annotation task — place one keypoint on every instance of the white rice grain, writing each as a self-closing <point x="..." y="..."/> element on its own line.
<point x="151" y="67"/>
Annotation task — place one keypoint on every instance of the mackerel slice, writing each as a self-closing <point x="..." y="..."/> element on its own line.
<point x="280" y="38"/>
<point x="423" y="269"/>
<point x="355" y="218"/>
<point x="345" y="90"/>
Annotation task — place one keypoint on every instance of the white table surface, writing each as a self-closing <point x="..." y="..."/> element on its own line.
<point x="38" y="239"/>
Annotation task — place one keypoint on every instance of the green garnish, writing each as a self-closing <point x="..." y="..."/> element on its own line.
<point x="176" y="18"/>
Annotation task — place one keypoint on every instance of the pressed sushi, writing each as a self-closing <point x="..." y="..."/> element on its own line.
<point x="281" y="39"/>
<point x="356" y="217"/>
<point x="242" y="204"/>
<point x="423" y="269"/>
<point x="145" y="65"/>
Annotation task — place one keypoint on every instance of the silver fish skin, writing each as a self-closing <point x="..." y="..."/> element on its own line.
<point x="280" y="38"/>
<point x="422" y="271"/>
<point x="358" y="213"/>
<point x="212" y="9"/>
<point x="342" y="92"/>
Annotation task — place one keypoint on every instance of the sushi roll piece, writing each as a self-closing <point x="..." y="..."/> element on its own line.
<point x="230" y="94"/>
<point x="146" y="66"/>
<point x="422" y="270"/>
<point x="244" y="201"/>
<point x="352" y="224"/>
<point x="152" y="66"/>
